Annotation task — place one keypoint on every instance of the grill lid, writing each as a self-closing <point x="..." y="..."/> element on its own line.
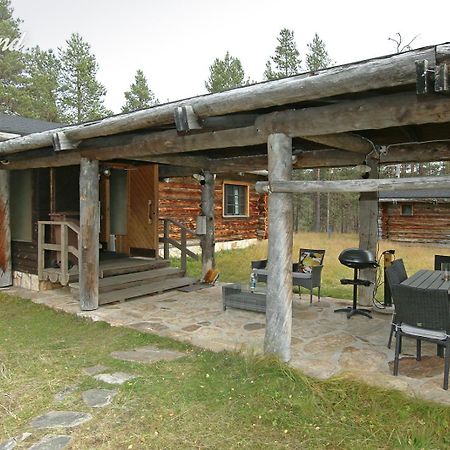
<point x="357" y="258"/>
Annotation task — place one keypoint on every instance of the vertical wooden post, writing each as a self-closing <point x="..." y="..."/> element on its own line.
<point x="183" y="250"/>
<point x="368" y="234"/>
<point x="279" y="280"/>
<point x="208" y="242"/>
<point x="5" y="231"/>
<point x="89" y="234"/>
<point x="64" y="255"/>
<point x="166" y="239"/>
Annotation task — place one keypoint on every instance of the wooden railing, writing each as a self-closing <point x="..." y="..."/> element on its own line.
<point x="182" y="245"/>
<point x="61" y="271"/>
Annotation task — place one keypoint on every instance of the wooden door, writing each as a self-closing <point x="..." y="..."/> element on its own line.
<point x="143" y="210"/>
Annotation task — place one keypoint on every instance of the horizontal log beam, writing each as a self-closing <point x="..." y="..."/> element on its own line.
<point x="416" y="152"/>
<point x="366" y="114"/>
<point x="396" y="153"/>
<point x="344" y="141"/>
<point x="369" y="185"/>
<point x="390" y="71"/>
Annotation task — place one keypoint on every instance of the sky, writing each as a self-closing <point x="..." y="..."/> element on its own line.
<point x="175" y="41"/>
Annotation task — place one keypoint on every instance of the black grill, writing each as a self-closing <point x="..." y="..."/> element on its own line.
<point x="357" y="258"/>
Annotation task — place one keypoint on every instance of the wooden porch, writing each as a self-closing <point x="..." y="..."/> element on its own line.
<point x="120" y="277"/>
<point x="388" y="110"/>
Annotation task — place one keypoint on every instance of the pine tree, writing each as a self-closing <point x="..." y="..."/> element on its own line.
<point x="286" y="60"/>
<point x="11" y="59"/>
<point x="41" y="85"/>
<point x="139" y="96"/>
<point x="225" y="74"/>
<point x="81" y="95"/>
<point x="317" y="57"/>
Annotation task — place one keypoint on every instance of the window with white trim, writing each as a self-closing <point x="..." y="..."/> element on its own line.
<point x="235" y="200"/>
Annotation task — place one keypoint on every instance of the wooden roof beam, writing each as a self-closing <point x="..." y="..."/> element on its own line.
<point x="389" y="71"/>
<point x="369" y="185"/>
<point x="344" y="141"/>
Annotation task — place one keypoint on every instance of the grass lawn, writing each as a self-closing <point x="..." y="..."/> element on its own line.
<point x="234" y="266"/>
<point x="203" y="401"/>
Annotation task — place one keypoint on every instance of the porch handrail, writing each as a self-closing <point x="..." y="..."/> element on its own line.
<point x="62" y="275"/>
<point x="182" y="245"/>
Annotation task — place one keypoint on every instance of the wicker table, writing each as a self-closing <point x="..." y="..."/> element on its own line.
<point x="428" y="279"/>
<point x="235" y="296"/>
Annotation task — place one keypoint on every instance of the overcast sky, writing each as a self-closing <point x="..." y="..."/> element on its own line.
<point x="175" y="41"/>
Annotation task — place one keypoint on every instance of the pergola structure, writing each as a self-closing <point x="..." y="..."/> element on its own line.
<point x="394" y="109"/>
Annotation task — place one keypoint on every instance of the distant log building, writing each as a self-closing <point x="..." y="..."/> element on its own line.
<point x="240" y="212"/>
<point x="416" y="216"/>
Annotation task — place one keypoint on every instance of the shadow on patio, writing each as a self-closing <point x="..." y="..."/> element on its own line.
<point x="324" y="344"/>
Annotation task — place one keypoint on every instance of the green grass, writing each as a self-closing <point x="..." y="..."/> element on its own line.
<point x="205" y="400"/>
<point x="234" y="265"/>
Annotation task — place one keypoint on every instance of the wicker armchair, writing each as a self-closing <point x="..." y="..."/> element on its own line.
<point x="306" y="273"/>
<point x="395" y="274"/>
<point x="422" y="314"/>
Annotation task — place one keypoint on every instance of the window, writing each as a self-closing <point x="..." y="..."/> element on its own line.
<point x="407" y="210"/>
<point x="235" y="200"/>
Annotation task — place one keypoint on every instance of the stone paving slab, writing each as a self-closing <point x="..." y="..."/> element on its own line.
<point x="60" y="419"/>
<point x="115" y="378"/>
<point x="148" y="354"/>
<point x="58" y="442"/>
<point x="8" y="445"/>
<point x="98" y="398"/>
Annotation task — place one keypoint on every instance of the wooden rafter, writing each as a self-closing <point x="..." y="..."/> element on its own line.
<point x="370" y="185"/>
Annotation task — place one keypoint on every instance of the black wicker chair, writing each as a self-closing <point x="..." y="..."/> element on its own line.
<point x="395" y="274"/>
<point x="422" y="314"/>
<point x="440" y="259"/>
<point x="306" y="273"/>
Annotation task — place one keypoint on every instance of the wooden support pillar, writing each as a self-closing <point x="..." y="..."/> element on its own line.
<point x="5" y="231"/>
<point x="89" y="234"/>
<point x="368" y="234"/>
<point x="279" y="280"/>
<point x="208" y="241"/>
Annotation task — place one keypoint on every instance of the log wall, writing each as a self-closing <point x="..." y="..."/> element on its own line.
<point x="430" y="223"/>
<point x="180" y="199"/>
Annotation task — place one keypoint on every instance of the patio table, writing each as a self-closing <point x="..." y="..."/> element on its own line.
<point x="240" y="297"/>
<point x="428" y="279"/>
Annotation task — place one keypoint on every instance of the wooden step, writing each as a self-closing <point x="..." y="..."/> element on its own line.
<point x="146" y="289"/>
<point x="132" y="279"/>
<point x="131" y="265"/>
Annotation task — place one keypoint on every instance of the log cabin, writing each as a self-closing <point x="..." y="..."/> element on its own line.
<point x="421" y="216"/>
<point x="128" y="199"/>
<point x="387" y="110"/>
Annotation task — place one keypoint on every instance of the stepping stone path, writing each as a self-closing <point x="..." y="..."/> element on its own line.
<point x="94" y="398"/>
<point x="60" y="419"/>
<point x="98" y="398"/>
<point x="114" y="378"/>
<point x="148" y="354"/>
<point x="58" y="442"/>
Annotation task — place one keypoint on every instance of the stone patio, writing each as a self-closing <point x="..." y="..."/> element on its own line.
<point x="324" y="344"/>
